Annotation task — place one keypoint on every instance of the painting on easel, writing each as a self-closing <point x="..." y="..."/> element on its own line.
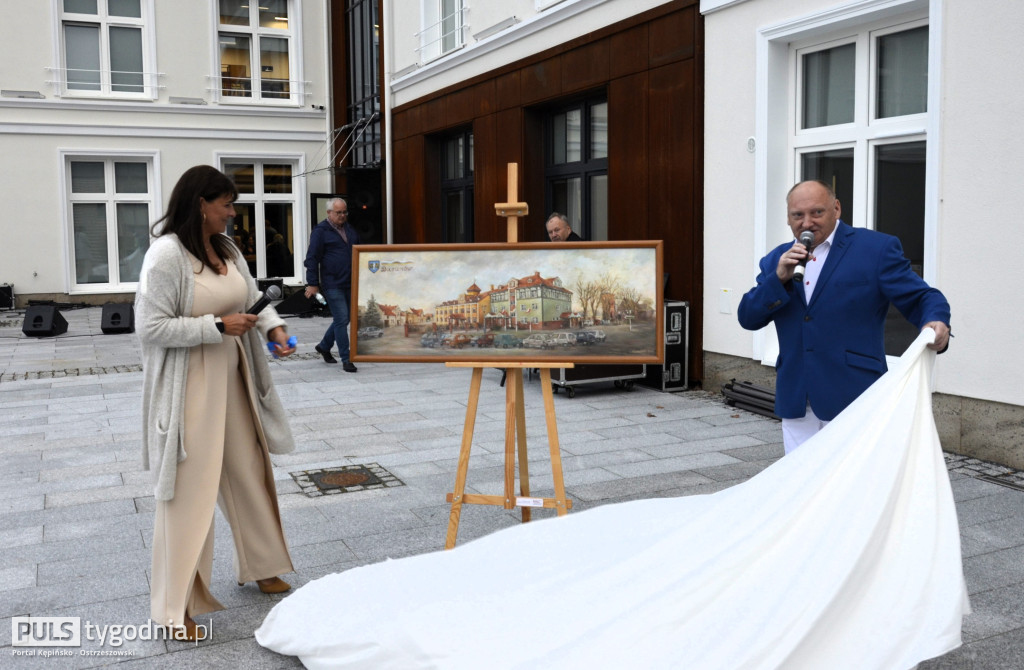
<point x="593" y="302"/>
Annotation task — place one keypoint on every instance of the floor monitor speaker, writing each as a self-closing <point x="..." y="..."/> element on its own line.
<point x="43" y="321"/>
<point x="117" y="318"/>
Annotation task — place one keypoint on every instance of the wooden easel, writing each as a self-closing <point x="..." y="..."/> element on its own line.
<point x="515" y="416"/>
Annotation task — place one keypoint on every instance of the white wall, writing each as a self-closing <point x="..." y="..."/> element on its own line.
<point x="980" y="145"/>
<point x="535" y="32"/>
<point x="34" y="132"/>
<point x="981" y="268"/>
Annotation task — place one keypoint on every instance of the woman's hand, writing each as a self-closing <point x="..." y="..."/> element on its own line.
<point x="279" y="336"/>
<point x="238" y="324"/>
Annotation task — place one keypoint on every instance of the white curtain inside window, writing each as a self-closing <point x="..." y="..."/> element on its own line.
<point x="82" y="57"/>
<point x="126" y="60"/>
<point x="132" y="239"/>
<point x="90" y="232"/>
<point x="87" y="177"/>
<point x="829" y="86"/>
<point x="130" y="178"/>
<point x="129" y="8"/>
<point x="903" y="73"/>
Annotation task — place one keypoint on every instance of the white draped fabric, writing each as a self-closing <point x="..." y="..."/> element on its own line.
<point x="844" y="554"/>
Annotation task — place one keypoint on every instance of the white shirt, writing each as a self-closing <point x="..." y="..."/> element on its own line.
<point x="814" y="265"/>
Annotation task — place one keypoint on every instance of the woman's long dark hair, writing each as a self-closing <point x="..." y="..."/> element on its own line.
<point x="185" y="219"/>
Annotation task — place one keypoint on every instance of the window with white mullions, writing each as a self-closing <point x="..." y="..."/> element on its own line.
<point x="860" y="119"/>
<point x="256" y="43"/>
<point x="264" y="223"/>
<point x="110" y="203"/>
<point x="444" y="28"/>
<point x="856" y="95"/>
<point x="104" y="49"/>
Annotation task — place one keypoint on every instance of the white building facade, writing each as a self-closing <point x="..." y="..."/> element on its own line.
<point x="105" y="103"/>
<point x="910" y="108"/>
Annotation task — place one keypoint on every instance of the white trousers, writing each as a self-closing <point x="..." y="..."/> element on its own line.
<point x="797" y="431"/>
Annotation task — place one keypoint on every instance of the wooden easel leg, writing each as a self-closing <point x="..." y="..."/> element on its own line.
<point x="524" y="467"/>
<point x="556" y="452"/>
<point x="463" y="465"/>
<point x="510" y="437"/>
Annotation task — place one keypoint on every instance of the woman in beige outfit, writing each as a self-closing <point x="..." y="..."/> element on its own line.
<point x="211" y="416"/>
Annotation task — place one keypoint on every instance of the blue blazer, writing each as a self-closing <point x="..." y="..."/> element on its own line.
<point x="329" y="258"/>
<point x="832" y="349"/>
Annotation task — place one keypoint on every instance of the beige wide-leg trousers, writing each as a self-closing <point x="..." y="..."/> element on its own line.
<point x="227" y="462"/>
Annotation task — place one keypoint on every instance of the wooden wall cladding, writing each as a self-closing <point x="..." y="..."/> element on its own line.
<point x="651" y="69"/>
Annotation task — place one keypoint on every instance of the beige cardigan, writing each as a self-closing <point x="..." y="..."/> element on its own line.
<point x="166" y="332"/>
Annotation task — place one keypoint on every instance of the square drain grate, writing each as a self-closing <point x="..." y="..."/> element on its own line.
<point x="344" y="479"/>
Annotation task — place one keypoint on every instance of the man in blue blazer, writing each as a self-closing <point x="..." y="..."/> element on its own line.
<point x="831" y="327"/>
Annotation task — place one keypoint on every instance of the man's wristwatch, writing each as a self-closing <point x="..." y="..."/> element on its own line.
<point x="219" y="323"/>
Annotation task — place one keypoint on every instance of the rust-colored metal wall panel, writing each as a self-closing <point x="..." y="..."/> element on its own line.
<point x="531" y="177"/>
<point x="652" y="69"/>
<point x="629" y="52"/>
<point x="585" y="67"/>
<point x="433" y="117"/>
<point x="506" y="90"/>
<point x="465" y="105"/>
<point x="673" y="37"/>
<point x="406" y="123"/>
<point x="674" y="185"/>
<point x="628" y="181"/>
<point x="409" y="224"/>
<point x="541" y="81"/>
<point x="486" y="187"/>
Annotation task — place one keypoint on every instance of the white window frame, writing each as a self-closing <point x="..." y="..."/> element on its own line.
<point x="866" y="132"/>
<point x="778" y="141"/>
<point x="150" y="83"/>
<point x="430" y="37"/>
<point x="298" y="197"/>
<point x="110" y="198"/>
<point x="297" y="85"/>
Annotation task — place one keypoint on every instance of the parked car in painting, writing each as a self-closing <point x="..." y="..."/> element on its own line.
<point x="599" y="336"/>
<point x="585" y="337"/>
<point x="370" y="331"/>
<point x="485" y="340"/>
<point x="458" y="340"/>
<point x="538" y="341"/>
<point x="507" y="341"/>
<point x="445" y="340"/>
<point x="430" y="340"/>
<point x="563" y="339"/>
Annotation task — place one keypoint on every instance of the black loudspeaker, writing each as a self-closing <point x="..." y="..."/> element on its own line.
<point x="364" y="206"/>
<point x="296" y="303"/>
<point x="117" y="318"/>
<point x="263" y="284"/>
<point x="43" y="321"/>
<point x="6" y="296"/>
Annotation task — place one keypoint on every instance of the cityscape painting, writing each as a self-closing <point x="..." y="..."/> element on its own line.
<point x="587" y="302"/>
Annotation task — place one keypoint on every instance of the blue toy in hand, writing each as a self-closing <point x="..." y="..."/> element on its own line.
<point x="272" y="346"/>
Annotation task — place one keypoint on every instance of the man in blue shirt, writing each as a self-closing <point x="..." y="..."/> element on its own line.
<point x="329" y="271"/>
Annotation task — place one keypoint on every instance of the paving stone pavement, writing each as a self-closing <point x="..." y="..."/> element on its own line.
<point x="76" y="512"/>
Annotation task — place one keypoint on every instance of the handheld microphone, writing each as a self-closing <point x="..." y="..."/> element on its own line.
<point x="273" y="292"/>
<point x="806" y="239"/>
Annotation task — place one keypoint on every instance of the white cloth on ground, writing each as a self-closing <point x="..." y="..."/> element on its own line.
<point x="844" y="554"/>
